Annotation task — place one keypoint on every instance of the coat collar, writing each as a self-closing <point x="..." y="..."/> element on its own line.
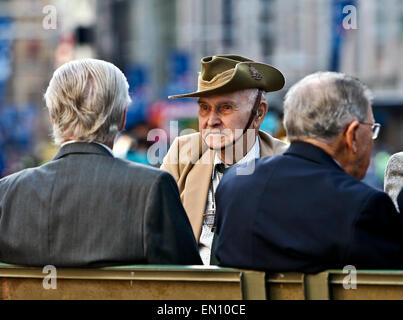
<point x="310" y="152"/>
<point x="81" y="148"/>
<point x="268" y="145"/>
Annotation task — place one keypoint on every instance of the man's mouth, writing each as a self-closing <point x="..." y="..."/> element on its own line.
<point x="213" y="133"/>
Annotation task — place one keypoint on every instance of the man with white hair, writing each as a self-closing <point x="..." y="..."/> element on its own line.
<point x="394" y="177"/>
<point x="307" y="210"/>
<point x="231" y="109"/>
<point x="86" y="207"/>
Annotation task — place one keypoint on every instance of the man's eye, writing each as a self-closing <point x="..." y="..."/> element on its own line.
<point x="225" y="108"/>
<point x="204" y="109"/>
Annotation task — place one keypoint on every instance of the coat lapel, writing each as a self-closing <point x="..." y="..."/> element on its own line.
<point x="270" y="146"/>
<point x="197" y="186"/>
<point x="265" y="150"/>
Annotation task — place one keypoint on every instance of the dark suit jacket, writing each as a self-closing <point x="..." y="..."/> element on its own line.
<point x="301" y="212"/>
<point x="400" y="201"/>
<point x="87" y="208"/>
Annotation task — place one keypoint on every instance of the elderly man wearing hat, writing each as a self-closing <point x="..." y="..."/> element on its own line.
<point x="232" y="108"/>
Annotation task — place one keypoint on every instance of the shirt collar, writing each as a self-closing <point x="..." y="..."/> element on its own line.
<point x="338" y="163"/>
<point x="101" y="144"/>
<point x="254" y="153"/>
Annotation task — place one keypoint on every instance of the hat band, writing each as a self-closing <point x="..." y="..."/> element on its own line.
<point x="216" y="82"/>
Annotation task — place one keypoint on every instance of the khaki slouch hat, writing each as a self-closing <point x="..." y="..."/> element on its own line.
<point x="228" y="73"/>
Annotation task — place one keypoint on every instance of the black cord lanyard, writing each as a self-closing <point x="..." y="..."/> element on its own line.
<point x="213" y="205"/>
<point x="254" y="110"/>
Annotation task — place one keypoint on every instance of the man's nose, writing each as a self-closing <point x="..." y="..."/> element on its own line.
<point x="214" y="120"/>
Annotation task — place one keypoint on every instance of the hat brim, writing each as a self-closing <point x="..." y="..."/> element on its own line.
<point x="271" y="80"/>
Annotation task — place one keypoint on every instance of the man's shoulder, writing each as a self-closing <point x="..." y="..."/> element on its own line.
<point x="25" y="179"/>
<point x="193" y="139"/>
<point x="137" y="169"/>
<point x="184" y="150"/>
<point x="16" y="176"/>
<point x="270" y="145"/>
<point x="327" y="178"/>
<point x="341" y="186"/>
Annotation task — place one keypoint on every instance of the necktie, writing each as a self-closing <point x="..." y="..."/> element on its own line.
<point x="221" y="168"/>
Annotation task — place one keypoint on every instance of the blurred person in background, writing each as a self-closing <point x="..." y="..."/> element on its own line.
<point x="86" y="207"/>
<point x="232" y="108"/>
<point x="394" y="176"/>
<point x="133" y="145"/>
<point x="307" y="210"/>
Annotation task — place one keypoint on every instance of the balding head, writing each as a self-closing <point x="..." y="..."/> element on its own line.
<point x="321" y="104"/>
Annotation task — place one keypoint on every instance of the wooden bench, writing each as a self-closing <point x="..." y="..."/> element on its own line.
<point x="328" y="285"/>
<point x="149" y="282"/>
<point x="134" y="282"/>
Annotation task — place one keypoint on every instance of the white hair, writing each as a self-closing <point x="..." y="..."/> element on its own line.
<point x="86" y="100"/>
<point x="252" y="95"/>
<point x="321" y="104"/>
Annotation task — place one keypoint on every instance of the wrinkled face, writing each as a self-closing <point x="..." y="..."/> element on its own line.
<point x="220" y="116"/>
<point x="364" y="147"/>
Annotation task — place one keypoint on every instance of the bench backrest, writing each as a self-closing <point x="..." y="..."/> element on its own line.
<point x="132" y="282"/>
<point x="195" y="282"/>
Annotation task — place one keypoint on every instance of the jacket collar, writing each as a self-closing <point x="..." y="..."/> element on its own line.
<point x="310" y="152"/>
<point x="81" y="148"/>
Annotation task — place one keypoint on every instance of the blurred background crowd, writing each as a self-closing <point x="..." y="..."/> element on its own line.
<point x="158" y="45"/>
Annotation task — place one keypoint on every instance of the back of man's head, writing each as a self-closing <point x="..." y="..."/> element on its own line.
<point x="321" y="104"/>
<point x="87" y="100"/>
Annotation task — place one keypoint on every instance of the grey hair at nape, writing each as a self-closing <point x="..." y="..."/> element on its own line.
<point x="322" y="103"/>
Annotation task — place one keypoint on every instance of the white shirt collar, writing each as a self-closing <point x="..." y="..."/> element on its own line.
<point x="101" y="144"/>
<point x="337" y="162"/>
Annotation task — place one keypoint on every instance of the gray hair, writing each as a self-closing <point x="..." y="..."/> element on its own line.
<point x="86" y="100"/>
<point x="253" y="95"/>
<point x="321" y="104"/>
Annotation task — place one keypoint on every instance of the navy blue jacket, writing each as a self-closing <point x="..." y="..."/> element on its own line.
<point x="301" y="212"/>
<point x="400" y="200"/>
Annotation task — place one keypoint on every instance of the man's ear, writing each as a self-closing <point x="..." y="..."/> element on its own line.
<point x="351" y="135"/>
<point x="122" y="125"/>
<point x="260" y="114"/>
